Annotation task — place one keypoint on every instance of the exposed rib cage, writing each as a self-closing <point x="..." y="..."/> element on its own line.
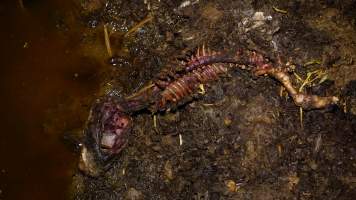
<point x="187" y="84"/>
<point x="174" y="84"/>
<point x="203" y="57"/>
<point x="208" y="57"/>
<point x="204" y="66"/>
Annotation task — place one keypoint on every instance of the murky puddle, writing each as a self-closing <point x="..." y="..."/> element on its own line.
<point x="47" y="86"/>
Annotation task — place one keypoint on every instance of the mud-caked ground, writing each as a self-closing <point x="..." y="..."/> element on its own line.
<point x="243" y="137"/>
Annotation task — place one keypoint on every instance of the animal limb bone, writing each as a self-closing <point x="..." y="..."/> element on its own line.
<point x="306" y="101"/>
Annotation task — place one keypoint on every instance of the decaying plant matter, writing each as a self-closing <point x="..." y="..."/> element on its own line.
<point x="109" y="125"/>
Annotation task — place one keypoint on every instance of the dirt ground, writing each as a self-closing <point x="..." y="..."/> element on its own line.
<point x="241" y="139"/>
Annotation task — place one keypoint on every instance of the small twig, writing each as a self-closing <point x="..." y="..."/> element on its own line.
<point x="312" y="63"/>
<point x="139" y="25"/>
<point x="298" y="77"/>
<point x="279" y="10"/>
<point x="144" y="89"/>
<point x="301" y="117"/>
<point x="305" y="82"/>
<point x="107" y="41"/>
<point x="180" y="140"/>
<point x="155" y="121"/>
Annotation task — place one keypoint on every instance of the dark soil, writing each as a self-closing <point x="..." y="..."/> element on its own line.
<point x="240" y="140"/>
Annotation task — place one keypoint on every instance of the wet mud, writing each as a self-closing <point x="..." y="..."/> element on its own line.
<point x="48" y="83"/>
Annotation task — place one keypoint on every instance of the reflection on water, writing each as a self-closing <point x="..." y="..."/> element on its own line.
<point x="46" y="87"/>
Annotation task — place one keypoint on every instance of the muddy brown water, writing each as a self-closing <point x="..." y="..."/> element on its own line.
<point x="45" y="85"/>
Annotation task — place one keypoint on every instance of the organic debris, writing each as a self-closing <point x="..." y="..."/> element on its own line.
<point x="238" y="140"/>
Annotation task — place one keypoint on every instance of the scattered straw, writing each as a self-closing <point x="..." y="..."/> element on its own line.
<point x="155" y="121"/>
<point x="144" y="89"/>
<point x="279" y="10"/>
<point x="301" y="117"/>
<point x="139" y="25"/>
<point x="107" y="41"/>
<point x="309" y="80"/>
<point x="180" y="140"/>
